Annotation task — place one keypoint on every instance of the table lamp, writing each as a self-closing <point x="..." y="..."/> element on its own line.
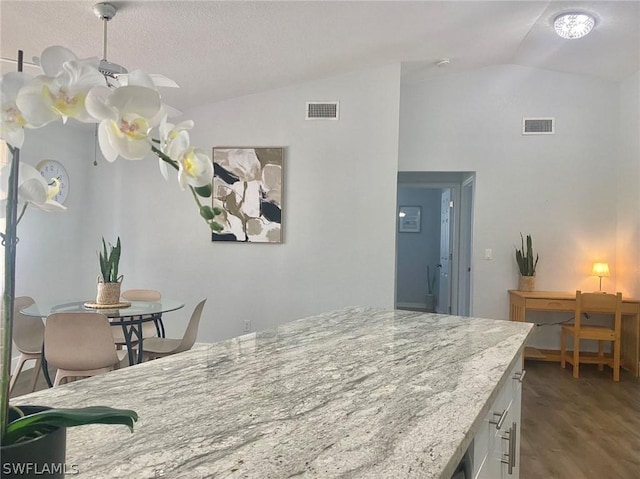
<point x="600" y="270"/>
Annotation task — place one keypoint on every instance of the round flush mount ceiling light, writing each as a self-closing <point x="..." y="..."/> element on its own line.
<point x="573" y="25"/>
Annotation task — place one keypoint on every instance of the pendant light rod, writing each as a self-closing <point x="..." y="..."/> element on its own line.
<point x="105" y="12"/>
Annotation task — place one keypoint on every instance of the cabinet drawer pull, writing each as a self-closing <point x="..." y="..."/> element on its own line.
<point x="513" y="444"/>
<point x="499" y="422"/>
<point x="519" y="376"/>
<point x="511" y="455"/>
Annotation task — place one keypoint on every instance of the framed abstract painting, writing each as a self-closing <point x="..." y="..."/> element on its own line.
<point x="247" y="187"/>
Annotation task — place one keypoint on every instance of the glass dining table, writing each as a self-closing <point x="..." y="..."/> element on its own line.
<point x="130" y="318"/>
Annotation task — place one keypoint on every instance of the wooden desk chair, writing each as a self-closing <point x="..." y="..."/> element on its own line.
<point x="28" y="334"/>
<point x="598" y="303"/>
<point x="80" y="345"/>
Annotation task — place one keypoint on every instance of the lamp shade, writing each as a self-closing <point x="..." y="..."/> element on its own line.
<point x="600" y="269"/>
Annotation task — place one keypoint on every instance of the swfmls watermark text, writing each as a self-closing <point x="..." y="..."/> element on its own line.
<point x="35" y="468"/>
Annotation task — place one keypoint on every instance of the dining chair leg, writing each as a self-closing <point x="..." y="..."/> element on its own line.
<point x="16" y="373"/>
<point x="576" y="357"/>
<point x="59" y="377"/>
<point x="563" y="349"/>
<point x="35" y="374"/>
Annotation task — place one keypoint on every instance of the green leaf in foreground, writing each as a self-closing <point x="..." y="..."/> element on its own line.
<point x="43" y="421"/>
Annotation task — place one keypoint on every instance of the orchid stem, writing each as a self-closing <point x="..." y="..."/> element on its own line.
<point x="174" y="163"/>
<point x="24" y="209"/>
<point x="195" y="196"/>
<point x="8" y="296"/>
<point x="164" y="157"/>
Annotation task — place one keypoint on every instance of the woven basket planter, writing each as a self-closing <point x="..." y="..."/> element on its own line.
<point x="108" y="293"/>
<point x="527" y="283"/>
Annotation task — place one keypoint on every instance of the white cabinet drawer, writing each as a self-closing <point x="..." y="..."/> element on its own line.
<point x="499" y="435"/>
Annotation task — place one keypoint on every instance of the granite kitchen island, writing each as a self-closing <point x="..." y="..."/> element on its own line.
<point x="358" y="393"/>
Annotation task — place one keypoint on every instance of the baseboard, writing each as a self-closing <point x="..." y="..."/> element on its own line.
<point x="411" y="305"/>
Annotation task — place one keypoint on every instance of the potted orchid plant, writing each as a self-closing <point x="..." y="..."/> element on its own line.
<point x="127" y="116"/>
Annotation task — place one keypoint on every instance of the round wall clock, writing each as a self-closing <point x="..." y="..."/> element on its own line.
<point x="50" y="169"/>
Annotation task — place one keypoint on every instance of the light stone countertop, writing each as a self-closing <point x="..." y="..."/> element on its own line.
<point x="355" y="393"/>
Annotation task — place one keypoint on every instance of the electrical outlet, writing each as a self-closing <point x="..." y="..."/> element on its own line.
<point x="247" y="325"/>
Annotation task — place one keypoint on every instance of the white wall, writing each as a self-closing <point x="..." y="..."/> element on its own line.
<point x="54" y="250"/>
<point x="338" y="215"/>
<point x="628" y="189"/>
<point x="340" y="195"/>
<point x="558" y="188"/>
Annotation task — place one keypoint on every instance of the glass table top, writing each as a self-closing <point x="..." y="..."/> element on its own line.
<point x="137" y="308"/>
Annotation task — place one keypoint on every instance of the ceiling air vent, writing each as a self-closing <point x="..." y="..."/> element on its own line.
<point x="322" y="110"/>
<point x="538" y="126"/>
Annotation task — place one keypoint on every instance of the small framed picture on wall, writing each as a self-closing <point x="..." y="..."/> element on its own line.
<point x="409" y="219"/>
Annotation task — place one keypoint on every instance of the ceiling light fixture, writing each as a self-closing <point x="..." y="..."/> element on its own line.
<point x="573" y="25"/>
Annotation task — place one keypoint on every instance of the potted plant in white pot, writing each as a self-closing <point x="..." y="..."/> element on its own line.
<point x="526" y="265"/>
<point x="127" y="116"/>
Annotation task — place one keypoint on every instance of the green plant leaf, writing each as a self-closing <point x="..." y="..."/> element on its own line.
<point x="524" y="257"/>
<point x="104" y="262"/>
<point x="43" y="421"/>
<point x="115" y="260"/>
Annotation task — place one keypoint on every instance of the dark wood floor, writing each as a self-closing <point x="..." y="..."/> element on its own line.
<point x="587" y="428"/>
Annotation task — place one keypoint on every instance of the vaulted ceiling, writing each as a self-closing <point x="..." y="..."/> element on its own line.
<point x="217" y="50"/>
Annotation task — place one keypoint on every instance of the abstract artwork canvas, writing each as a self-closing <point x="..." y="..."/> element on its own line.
<point x="247" y="187"/>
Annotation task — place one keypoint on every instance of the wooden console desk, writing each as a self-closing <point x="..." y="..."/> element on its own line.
<point x="522" y="301"/>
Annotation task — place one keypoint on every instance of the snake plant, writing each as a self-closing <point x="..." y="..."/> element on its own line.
<point x="524" y="257"/>
<point x="109" y="260"/>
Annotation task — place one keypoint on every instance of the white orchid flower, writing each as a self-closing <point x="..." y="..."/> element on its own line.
<point x="127" y="116"/>
<point x="196" y="168"/>
<point x="12" y="122"/>
<point x="168" y="133"/>
<point x="32" y="189"/>
<point x="194" y="165"/>
<point x="61" y="91"/>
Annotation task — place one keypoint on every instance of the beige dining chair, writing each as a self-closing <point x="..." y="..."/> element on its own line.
<point x="28" y="334"/>
<point x="149" y="329"/>
<point x="159" y="347"/>
<point x="80" y="345"/>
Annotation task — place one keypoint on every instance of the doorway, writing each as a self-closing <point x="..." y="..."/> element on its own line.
<point x="434" y="251"/>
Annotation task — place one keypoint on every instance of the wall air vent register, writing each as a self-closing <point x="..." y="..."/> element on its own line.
<point x="538" y="126"/>
<point x="322" y="110"/>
